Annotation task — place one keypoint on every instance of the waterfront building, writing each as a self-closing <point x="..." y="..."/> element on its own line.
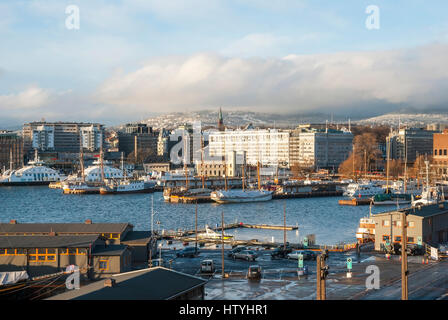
<point x="11" y="151"/>
<point x="137" y="138"/>
<point x="230" y="166"/>
<point x="157" y="283"/>
<point x="426" y="224"/>
<point x="410" y="143"/>
<point x="440" y="153"/>
<point x="320" y="148"/>
<point x="270" y="147"/>
<point x="62" y="136"/>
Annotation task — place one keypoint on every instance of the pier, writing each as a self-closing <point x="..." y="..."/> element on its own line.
<point x="355" y="202"/>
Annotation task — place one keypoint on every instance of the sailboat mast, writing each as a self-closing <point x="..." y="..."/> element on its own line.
<point x="10" y="160"/>
<point x="387" y="165"/>
<point x="405" y="166"/>
<point x="243" y="173"/>
<point x="258" y="175"/>
<point x="102" y="164"/>
<point x="81" y="160"/>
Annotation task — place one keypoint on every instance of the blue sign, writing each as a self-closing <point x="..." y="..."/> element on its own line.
<point x="349" y="263"/>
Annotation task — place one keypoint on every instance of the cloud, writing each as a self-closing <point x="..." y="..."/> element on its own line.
<point x="357" y="80"/>
<point x="30" y="98"/>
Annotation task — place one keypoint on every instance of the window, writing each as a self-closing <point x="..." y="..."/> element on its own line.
<point x="386" y="238"/>
<point x="11" y="252"/>
<point x="398" y="239"/>
<point x="42" y="255"/>
<point x="411" y="224"/>
<point x="104" y="265"/>
<point x="411" y="239"/>
<point x="386" y="223"/>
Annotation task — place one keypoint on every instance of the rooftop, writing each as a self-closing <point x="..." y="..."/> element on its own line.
<point x="421" y="211"/>
<point x="147" y="284"/>
<point x="83" y="241"/>
<point x="94" y="228"/>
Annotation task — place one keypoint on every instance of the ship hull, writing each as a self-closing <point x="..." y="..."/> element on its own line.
<point x="243" y="200"/>
<point x="25" y="183"/>
<point x="104" y="191"/>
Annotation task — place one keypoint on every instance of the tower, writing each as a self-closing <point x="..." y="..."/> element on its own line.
<point x="220" y="121"/>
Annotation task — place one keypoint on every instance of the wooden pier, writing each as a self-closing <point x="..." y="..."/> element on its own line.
<point x="355" y="202"/>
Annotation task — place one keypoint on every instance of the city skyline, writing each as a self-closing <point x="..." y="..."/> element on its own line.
<point x="132" y="59"/>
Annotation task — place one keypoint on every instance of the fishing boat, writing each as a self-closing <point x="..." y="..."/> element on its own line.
<point x="34" y="173"/>
<point x="125" y="186"/>
<point x="430" y="195"/>
<point x="240" y="196"/>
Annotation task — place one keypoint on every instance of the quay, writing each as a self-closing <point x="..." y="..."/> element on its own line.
<point x="311" y="194"/>
<point x="355" y="202"/>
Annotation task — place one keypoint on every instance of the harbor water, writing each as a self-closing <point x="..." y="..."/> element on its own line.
<point x="330" y="222"/>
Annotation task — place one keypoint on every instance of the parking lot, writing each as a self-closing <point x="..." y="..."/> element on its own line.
<point x="279" y="276"/>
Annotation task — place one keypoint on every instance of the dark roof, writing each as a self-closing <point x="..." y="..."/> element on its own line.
<point x="148" y="284"/>
<point x="47" y="241"/>
<point x="110" y="250"/>
<point x="137" y="237"/>
<point x="63" y="227"/>
<point x="422" y="211"/>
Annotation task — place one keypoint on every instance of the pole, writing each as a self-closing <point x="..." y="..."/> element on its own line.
<point x="284" y="225"/>
<point x="222" y="243"/>
<point x="196" y="226"/>
<point x="404" y="258"/>
<point x="319" y="278"/>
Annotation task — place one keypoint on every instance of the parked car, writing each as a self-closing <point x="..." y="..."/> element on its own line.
<point x="207" y="266"/>
<point x="280" y="252"/>
<point x="235" y="250"/>
<point x="307" y="255"/>
<point x="248" y="255"/>
<point x="254" y="272"/>
<point x="188" y="252"/>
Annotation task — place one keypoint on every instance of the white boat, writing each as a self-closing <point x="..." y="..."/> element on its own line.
<point x="35" y="173"/>
<point x="93" y="173"/>
<point x="124" y="186"/>
<point x="239" y="196"/>
<point x="430" y="195"/>
<point x="80" y="187"/>
<point x="363" y="190"/>
<point x="366" y="230"/>
<point x="210" y="234"/>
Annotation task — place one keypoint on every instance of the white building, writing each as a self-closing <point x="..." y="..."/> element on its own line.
<point x="43" y="138"/>
<point x="268" y="146"/>
<point x="92" y="137"/>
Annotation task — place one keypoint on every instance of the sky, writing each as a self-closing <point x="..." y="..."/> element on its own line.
<point x="131" y="59"/>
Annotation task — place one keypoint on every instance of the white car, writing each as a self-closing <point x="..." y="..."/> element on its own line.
<point x="307" y="255"/>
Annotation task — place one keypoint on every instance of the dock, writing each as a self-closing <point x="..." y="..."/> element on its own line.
<point x="311" y="194"/>
<point x="355" y="202"/>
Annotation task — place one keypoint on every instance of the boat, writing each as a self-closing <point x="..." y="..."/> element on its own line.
<point x="170" y="193"/>
<point x="125" y="186"/>
<point x="80" y="187"/>
<point x="430" y="195"/>
<point x="366" y="230"/>
<point x="363" y="190"/>
<point x="391" y="199"/>
<point x="34" y="173"/>
<point x="240" y="196"/>
<point x="212" y="235"/>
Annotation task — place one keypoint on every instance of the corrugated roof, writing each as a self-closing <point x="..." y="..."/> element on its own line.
<point x="63" y="227"/>
<point x="148" y="284"/>
<point x="82" y="241"/>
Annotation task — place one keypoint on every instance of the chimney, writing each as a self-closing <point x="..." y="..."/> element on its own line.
<point x="88" y="221"/>
<point x="109" y="282"/>
<point x="13" y="222"/>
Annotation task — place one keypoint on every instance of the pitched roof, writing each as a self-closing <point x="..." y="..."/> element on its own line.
<point x="82" y="241"/>
<point x="148" y="284"/>
<point x="63" y="227"/>
<point x="137" y="237"/>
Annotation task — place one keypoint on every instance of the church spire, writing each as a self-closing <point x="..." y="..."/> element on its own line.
<point x="220" y="121"/>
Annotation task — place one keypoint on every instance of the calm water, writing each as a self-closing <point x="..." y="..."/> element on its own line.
<point x="330" y="222"/>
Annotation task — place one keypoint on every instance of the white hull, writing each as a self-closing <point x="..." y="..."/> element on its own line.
<point x="241" y="196"/>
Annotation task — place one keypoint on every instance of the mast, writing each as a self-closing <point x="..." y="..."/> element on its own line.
<point x="202" y="162"/>
<point x="405" y="166"/>
<point x="185" y="163"/>
<point x="387" y="165"/>
<point x="365" y="164"/>
<point x="258" y="175"/>
<point x="10" y="160"/>
<point x="102" y="164"/>
<point x="243" y="175"/>
<point x="81" y="160"/>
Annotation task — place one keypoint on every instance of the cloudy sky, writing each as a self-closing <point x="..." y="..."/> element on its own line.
<point x="130" y="59"/>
